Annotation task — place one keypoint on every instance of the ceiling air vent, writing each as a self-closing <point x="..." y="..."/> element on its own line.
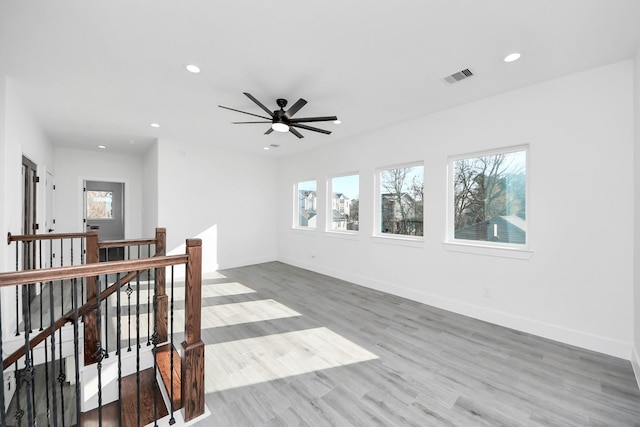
<point x="460" y="75"/>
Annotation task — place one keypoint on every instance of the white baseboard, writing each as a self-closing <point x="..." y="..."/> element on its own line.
<point x="576" y="338"/>
<point x="635" y="362"/>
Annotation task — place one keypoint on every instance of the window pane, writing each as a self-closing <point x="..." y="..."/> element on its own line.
<point x="490" y="198"/>
<point x="307" y="198"/>
<point x="345" y="203"/>
<point x="99" y="204"/>
<point x="401" y="204"/>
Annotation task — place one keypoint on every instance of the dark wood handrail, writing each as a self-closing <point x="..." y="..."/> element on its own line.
<point x="88" y="270"/>
<point x="124" y="243"/>
<point x="34" y="237"/>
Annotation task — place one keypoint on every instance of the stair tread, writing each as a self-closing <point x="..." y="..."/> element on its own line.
<point x="163" y="358"/>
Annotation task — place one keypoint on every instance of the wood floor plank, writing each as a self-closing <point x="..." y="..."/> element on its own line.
<point x="432" y="367"/>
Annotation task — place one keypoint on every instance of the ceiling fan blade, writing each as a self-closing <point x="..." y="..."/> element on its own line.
<point x="242" y="123"/>
<point x="268" y="131"/>
<point x="301" y="126"/>
<point x="269" y="112"/>
<point x="295" y="132"/>
<point x="295" y="107"/>
<point x="244" y="112"/>
<point x="314" y="119"/>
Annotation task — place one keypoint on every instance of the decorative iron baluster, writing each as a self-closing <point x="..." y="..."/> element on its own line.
<point x="28" y="366"/>
<point x="119" y="347"/>
<point x="155" y="339"/>
<point x="19" y="412"/>
<point x="138" y="343"/>
<point x="54" y="400"/>
<point x="41" y="285"/>
<point x="46" y="379"/>
<point x="82" y="251"/>
<point x="76" y="349"/>
<point x="149" y="301"/>
<point x="98" y="356"/>
<point x="129" y="291"/>
<point x="17" y="290"/>
<point x="106" y="317"/>
<point x="62" y="376"/>
<point x="172" y="420"/>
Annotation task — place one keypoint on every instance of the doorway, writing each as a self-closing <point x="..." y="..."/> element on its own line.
<point x="29" y="212"/>
<point x="104" y="211"/>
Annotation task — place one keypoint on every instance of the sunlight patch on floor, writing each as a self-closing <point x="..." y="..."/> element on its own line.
<point x="212" y="316"/>
<point x="255" y="360"/>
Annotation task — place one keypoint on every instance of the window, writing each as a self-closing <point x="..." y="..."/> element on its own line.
<point x="344" y="203"/>
<point x="489" y="197"/>
<point x="307" y="198"/>
<point x="99" y="204"/>
<point x="401" y="200"/>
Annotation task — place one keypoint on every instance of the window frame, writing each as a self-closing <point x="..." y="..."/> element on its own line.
<point x="377" y="234"/>
<point x="329" y="207"/>
<point x="482" y="247"/>
<point x="296" y="206"/>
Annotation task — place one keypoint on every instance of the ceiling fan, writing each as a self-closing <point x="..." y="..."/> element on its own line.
<point x="283" y="121"/>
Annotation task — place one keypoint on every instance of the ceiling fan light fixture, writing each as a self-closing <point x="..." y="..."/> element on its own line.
<point x="280" y="127"/>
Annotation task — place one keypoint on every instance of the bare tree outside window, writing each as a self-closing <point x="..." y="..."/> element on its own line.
<point x="401" y="200"/>
<point x="99" y="205"/>
<point x="490" y="198"/>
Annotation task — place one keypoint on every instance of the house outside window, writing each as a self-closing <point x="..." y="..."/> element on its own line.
<point x="489" y="197"/>
<point x="344" y="206"/>
<point x="401" y="205"/>
<point x="307" y="204"/>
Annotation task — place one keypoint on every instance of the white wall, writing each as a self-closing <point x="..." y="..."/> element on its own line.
<point x="577" y="287"/>
<point x="20" y="135"/>
<point x="150" y="191"/>
<point x="223" y="197"/>
<point x="73" y="166"/>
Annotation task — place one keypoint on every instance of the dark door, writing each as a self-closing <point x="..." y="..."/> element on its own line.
<point x="104" y="211"/>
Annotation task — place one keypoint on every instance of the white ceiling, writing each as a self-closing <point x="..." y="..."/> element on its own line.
<point x="98" y="72"/>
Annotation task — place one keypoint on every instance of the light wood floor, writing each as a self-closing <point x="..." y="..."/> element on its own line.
<point x="288" y="347"/>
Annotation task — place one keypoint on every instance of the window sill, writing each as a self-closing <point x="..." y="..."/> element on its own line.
<point x="478" y="249"/>
<point x="348" y="235"/>
<point x="398" y="240"/>
<point x="303" y="229"/>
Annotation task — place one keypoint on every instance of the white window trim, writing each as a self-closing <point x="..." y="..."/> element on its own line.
<point x="296" y="207"/>
<point x="329" y="210"/>
<point x="505" y="250"/>
<point x="379" y="236"/>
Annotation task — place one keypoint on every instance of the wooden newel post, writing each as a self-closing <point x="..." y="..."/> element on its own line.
<point x="90" y="324"/>
<point x="193" y="347"/>
<point x="162" y="300"/>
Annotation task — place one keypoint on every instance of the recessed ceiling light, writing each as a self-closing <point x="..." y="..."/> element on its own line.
<point x="266" y="148"/>
<point x="337" y="122"/>
<point x="154" y="125"/>
<point x="193" y="68"/>
<point x="102" y="146"/>
<point x="512" y="57"/>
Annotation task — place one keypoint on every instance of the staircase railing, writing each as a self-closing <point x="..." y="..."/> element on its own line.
<point x="100" y="281"/>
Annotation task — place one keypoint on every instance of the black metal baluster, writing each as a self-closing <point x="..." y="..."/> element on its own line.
<point x="172" y="420"/>
<point x="41" y="284"/>
<point x="76" y="349"/>
<point x="118" y="348"/>
<point x="138" y="343"/>
<point x="28" y="367"/>
<point x="155" y="339"/>
<point x="106" y="319"/>
<point x="17" y="289"/>
<point x="62" y="376"/>
<point x="99" y="354"/>
<point x="54" y="402"/>
<point x="149" y="301"/>
<point x="33" y="388"/>
<point x="129" y="291"/>
<point x="19" y="412"/>
<point x="46" y="379"/>
<point x="82" y="250"/>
